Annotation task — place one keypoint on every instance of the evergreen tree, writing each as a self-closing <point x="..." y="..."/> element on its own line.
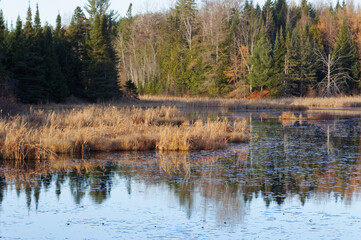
<point x="55" y="79"/>
<point x="278" y="66"/>
<point x="2" y="36"/>
<point x="77" y="56"/>
<point x="102" y="8"/>
<point x="28" y="28"/>
<point x="280" y="13"/>
<point x="29" y="63"/>
<point x="185" y="11"/>
<point x="190" y="78"/>
<point x="171" y="58"/>
<point x="287" y="66"/>
<point x="268" y="19"/>
<point x="125" y="25"/>
<point x="348" y="62"/>
<point x="130" y="90"/>
<point x="302" y="66"/>
<point x="101" y="69"/>
<point x="2" y="44"/>
<point x="192" y="73"/>
<point x="37" y="21"/>
<point x="15" y="47"/>
<point x="3" y="71"/>
<point x="261" y="62"/>
<point x="64" y="59"/>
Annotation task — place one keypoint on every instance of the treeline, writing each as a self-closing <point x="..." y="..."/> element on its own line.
<point x="45" y="64"/>
<point x="231" y="47"/>
<point x="221" y="47"/>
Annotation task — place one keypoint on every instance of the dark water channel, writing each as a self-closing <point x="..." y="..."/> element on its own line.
<point x="294" y="180"/>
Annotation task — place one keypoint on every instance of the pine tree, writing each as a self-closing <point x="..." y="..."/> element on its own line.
<point x="261" y="62"/>
<point x="345" y="50"/>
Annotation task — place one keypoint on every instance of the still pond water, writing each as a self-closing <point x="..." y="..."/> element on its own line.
<point x="294" y="180"/>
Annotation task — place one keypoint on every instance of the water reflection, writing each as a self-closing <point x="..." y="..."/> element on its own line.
<point x="310" y="160"/>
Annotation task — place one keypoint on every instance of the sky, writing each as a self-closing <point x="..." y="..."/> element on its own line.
<point x="49" y="8"/>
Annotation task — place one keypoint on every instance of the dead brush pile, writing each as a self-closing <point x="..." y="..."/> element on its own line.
<point x="45" y="134"/>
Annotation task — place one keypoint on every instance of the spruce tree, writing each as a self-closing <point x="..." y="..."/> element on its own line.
<point x="2" y="35"/>
<point x="64" y="57"/>
<point x="15" y="49"/>
<point x="55" y="79"/>
<point x="130" y="90"/>
<point x="29" y="64"/>
<point x="280" y="13"/>
<point x="261" y="62"/>
<point x="302" y="63"/>
<point x="278" y="66"/>
<point x="37" y="21"/>
<point x="2" y="45"/>
<point x="268" y="20"/>
<point x="348" y="62"/>
<point x="171" y="58"/>
<point x="3" y="72"/>
<point x="101" y="69"/>
<point x="77" y="56"/>
<point x="190" y="75"/>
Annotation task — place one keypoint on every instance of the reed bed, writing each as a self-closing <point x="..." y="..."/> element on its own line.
<point x="228" y="104"/>
<point x="43" y="134"/>
<point x="292" y="104"/>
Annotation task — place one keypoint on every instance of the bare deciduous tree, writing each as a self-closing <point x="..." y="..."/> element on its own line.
<point x="335" y="78"/>
<point x="138" y="55"/>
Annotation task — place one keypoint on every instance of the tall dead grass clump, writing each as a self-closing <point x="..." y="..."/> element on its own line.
<point x="43" y="134"/>
<point x="209" y="135"/>
<point x="20" y="141"/>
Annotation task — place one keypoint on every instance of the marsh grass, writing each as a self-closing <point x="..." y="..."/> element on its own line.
<point x="43" y="134"/>
<point x="228" y="104"/>
<point x="292" y="104"/>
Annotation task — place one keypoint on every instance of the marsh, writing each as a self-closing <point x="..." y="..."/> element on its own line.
<point x="292" y="179"/>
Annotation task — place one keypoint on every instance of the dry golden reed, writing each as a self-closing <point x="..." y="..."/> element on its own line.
<point x="44" y="134"/>
<point x="293" y="104"/>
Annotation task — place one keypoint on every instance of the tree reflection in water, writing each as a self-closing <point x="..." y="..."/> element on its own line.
<point x="312" y="159"/>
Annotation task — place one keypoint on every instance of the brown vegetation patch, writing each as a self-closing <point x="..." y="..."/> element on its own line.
<point x="42" y="134"/>
<point x="259" y="94"/>
<point x="290" y="118"/>
<point x="292" y="104"/>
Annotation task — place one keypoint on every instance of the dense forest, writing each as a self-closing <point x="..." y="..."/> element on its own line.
<point x="217" y="48"/>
